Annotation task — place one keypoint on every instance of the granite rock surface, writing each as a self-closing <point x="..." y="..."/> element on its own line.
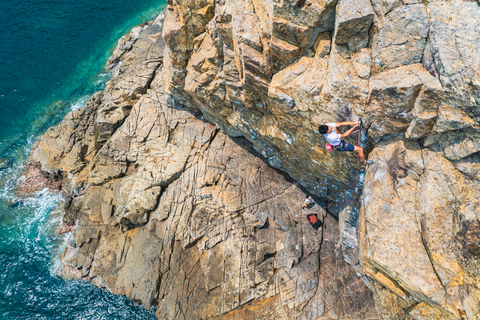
<point x="171" y="212"/>
<point x="168" y="171"/>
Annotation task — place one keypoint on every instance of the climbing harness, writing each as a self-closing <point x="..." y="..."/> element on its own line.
<point x="329" y="147"/>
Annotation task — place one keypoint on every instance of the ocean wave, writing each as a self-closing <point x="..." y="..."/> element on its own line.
<point x="80" y="103"/>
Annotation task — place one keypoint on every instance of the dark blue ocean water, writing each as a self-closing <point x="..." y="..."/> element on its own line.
<point x="52" y="54"/>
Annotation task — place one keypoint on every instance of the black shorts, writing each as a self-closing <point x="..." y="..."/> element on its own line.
<point x="345" y="146"/>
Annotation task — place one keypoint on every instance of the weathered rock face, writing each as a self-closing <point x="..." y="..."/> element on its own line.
<point x="430" y="261"/>
<point x="173" y="211"/>
<point x="229" y="77"/>
<point x="170" y="211"/>
<point x="409" y="69"/>
<point x="393" y="48"/>
<point x="202" y="227"/>
<point x="273" y="82"/>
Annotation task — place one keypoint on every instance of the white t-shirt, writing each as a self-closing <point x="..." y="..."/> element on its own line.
<point x="333" y="137"/>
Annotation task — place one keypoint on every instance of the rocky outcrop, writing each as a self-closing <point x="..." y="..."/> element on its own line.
<point x="233" y="76"/>
<point x="419" y="196"/>
<point x="174" y="211"/>
<point x="171" y="212"/>
<point x="203" y="228"/>
<point x="70" y="146"/>
<point x="431" y="261"/>
<point x="408" y="69"/>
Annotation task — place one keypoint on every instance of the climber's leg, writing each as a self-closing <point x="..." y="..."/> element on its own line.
<point x="359" y="150"/>
<point x="350" y="147"/>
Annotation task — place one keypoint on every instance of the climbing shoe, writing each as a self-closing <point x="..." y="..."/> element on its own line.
<point x="369" y="162"/>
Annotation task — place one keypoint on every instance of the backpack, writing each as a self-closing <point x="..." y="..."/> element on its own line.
<point x="312" y="219"/>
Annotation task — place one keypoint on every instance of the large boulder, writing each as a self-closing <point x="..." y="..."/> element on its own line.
<point x="353" y="22"/>
<point x="454" y="47"/>
<point x="417" y="221"/>
<point x="401" y="37"/>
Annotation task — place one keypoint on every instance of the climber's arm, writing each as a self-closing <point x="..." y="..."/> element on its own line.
<point x="348" y="123"/>
<point x="346" y="134"/>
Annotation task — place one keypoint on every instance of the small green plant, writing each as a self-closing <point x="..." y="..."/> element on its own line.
<point x="425" y="2"/>
<point x="375" y="68"/>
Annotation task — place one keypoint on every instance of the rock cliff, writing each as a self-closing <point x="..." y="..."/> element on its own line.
<point x="168" y="171"/>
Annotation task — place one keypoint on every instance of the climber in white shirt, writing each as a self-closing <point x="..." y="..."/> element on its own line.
<point x="335" y="139"/>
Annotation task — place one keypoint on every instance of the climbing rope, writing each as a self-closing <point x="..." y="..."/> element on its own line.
<point x="355" y="198"/>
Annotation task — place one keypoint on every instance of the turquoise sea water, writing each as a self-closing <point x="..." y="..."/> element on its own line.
<point x="52" y="54"/>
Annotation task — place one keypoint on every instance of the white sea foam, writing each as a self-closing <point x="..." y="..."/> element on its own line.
<point x="35" y="217"/>
<point x="80" y="103"/>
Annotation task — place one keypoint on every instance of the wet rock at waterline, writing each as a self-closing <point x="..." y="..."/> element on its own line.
<point x="37" y="180"/>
